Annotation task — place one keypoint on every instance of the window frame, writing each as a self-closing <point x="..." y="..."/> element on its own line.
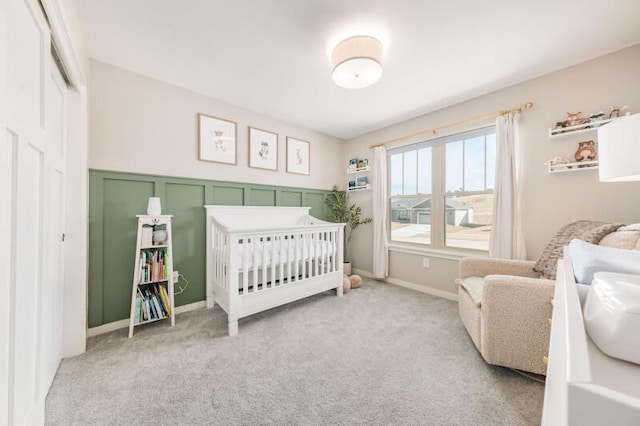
<point x="438" y="193"/>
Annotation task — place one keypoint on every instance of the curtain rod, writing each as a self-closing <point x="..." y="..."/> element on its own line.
<point x="433" y="131"/>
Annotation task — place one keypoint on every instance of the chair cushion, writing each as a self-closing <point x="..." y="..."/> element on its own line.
<point x="474" y="287"/>
<point x="586" y="230"/>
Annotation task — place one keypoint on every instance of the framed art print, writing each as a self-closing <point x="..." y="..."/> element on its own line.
<point x="298" y="156"/>
<point x="263" y="149"/>
<point x="217" y="139"/>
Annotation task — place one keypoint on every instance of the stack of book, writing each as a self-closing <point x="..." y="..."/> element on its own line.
<point x="152" y="303"/>
<point x="152" y="266"/>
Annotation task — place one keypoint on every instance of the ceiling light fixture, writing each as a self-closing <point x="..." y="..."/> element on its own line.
<point x="357" y="62"/>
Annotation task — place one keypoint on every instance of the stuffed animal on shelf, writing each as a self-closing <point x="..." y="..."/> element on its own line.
<point x="586" y="151"/>
<point x="615" y="111"/>
<point x="573" y="119"/>
<point x="354" y="281"/>
<point x="557" y="161"/>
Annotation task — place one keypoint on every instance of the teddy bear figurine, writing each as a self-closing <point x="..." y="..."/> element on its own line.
<point x="354" y="281"/>
<point x="586" y="151"/>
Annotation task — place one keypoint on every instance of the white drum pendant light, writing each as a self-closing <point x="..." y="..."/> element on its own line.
<point x="357" y="62"/>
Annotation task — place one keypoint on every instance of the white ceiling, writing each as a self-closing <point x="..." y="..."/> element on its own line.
<point x="272" y="56"/>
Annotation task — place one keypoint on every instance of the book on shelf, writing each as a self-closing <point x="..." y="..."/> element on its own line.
<point x="138" y="316"/>
<point x="152" y="302"/>
<point x="165" y="299"/>
<point x="152" y="309"/>
<point x="153" y="265"/>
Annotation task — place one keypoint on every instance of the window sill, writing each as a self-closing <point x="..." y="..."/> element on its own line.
<point x="449" y="254"/>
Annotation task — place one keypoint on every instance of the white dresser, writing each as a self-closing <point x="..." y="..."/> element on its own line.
<point x="584" y="386"/>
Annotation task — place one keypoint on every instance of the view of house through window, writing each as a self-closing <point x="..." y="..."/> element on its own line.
<point x="457" y="170"/>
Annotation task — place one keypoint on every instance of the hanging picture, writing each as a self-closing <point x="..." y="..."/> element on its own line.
<point x="263" y="149"/>
<point x="217" y="138"/>
<point x="298" y="156"/>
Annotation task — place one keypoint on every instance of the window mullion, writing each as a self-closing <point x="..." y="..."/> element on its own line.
<point x="484" y="166"/>
<point x="437" y="196"/>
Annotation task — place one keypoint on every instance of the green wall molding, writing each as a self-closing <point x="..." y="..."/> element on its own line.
<point x="114" y="200"/>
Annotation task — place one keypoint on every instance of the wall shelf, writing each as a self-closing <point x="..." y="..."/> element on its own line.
<point x="573" y="167"/>
<point x="579" y="128"/>
<point x="359" y="188"/>
<point x="359" y="170"/>
<point x="358" y="183"/>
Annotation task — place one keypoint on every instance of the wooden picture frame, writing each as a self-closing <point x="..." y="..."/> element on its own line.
<point x="217" y="140"/>
<point x="298" y="156"/>
<point x="263" y="149"/>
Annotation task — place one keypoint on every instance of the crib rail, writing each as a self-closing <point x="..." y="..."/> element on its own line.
<point x="253" y="261"/>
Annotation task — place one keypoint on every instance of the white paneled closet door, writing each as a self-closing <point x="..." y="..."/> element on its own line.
<point x="52" y="294"/>
<point x="32" y="164"/>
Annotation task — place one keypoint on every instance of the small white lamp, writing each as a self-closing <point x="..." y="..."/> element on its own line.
<point x="357" y="62"/>
<point x="619" y="150"/>
<point x="153" y="206"/>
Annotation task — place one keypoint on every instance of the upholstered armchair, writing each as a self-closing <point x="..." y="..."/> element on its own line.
<point x="505" y="305"/>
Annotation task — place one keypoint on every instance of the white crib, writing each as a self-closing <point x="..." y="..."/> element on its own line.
<point x="262" y="257"/>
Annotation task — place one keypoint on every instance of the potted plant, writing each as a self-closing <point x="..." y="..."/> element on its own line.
<point x="341" y="212"/>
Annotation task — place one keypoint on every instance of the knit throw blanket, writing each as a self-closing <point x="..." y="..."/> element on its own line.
<point x="586" y="230"/>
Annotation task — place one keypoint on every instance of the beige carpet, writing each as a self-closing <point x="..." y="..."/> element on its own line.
<point x="380" y="355"/>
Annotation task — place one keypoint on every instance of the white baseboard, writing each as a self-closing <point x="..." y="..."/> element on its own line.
<point x="116" y="325"/>
<point x="362" y="273"/>
<point x="423" y="289"/>
<point x="411" y="286"/>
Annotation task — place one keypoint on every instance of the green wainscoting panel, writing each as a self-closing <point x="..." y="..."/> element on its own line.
<point x="291" y="198"/>
<point x="115" y="199"/>
<point x="123" y="199"/>
<point x="315" y="200"/>
<point x="228" y="195"/>
<point x="184" y="202"/>
<point x="263" y="197"/>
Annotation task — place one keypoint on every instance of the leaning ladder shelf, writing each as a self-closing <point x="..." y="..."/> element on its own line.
<point x="152" y="292"/>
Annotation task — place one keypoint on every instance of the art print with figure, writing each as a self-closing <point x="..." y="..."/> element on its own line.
<point x="217" y="139"/>
<point x="298" y="156"/>
<point x="263" y="149"/>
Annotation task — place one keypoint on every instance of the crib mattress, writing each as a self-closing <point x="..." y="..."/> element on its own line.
<point x="256" y="257"/>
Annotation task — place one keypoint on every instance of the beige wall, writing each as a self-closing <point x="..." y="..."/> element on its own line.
<point x="550" y="201"/>
<point x="141" y="125"/>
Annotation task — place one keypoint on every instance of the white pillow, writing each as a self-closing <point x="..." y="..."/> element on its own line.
<point x="587" y="259"/>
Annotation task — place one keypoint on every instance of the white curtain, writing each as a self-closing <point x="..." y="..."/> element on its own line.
<point x="507" y="241"/>
<point x="379" y="183"/>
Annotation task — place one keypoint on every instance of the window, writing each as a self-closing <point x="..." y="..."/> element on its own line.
<point x="441" y="191"/>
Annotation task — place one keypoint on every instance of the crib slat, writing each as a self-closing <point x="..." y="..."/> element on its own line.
<point x="273" y="261"/>
<point x="296" y="240"/>
<point x="245" y="266"/>
<point x="289" y="259"/>
<point x="264" y="263"/>
<point x="316" y="257"/>
<point x="332" y="259"/>
<point x="329" y="252"/>
<point x="336" y="267"/>
<point x="325" y="253"/>
<point x="309" y="258"/>
<point x="303" y="250"/>
<point x="254" y="256"/>
<point x="281" y="260"/>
